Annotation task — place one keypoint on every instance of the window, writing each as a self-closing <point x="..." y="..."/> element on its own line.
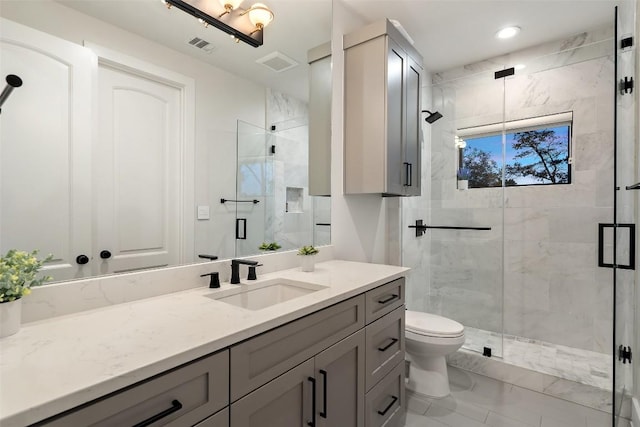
<point x="536" y="152"/>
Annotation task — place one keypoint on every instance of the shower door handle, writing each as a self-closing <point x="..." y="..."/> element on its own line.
<point x="242" y="236"/>
<point x="632" y="246"/>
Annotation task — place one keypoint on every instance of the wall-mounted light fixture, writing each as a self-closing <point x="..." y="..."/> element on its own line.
<point x="245" y="25"/>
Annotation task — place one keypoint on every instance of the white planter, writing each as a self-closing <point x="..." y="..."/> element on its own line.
<point x="10" y="317"/>
<point x="308" y="262"/>
<point x="463" y="184"/>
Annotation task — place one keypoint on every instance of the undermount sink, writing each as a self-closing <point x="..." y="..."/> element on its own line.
<point x="265" y="293"/>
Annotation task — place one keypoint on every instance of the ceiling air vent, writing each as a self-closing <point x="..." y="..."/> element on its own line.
<point x="277" y="62"/>
<point x="202" y="44"/>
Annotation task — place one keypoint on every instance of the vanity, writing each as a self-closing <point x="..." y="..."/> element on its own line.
<point x="292" y="348"/>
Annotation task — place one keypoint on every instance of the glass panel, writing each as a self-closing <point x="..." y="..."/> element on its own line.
<point x="624" y="297"/>
<point x="291" y="215"/>
<point x="458" y="273"/>
<point x="557" y="300"/>
<point x="254" y="181"/>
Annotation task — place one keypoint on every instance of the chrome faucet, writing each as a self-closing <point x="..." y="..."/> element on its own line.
<point x="235" y="269"/>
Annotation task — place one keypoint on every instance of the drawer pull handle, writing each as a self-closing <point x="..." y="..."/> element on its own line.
<point x="323" y="413"/>
<point x="386" y="347"/>
<point x="312" y="423"/>
<point x="386" y="300"/>
<point x="385" y="410"/>
<point x="175" y="406"/>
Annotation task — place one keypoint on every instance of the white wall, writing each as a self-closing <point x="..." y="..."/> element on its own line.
<point x="363" y="227"/>
<point x="221" y="99"/>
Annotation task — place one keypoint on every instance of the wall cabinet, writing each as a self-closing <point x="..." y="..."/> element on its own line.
<point x="320" y="120"/>
<point x="339" y="366"/>
<point x="382" y="126"/>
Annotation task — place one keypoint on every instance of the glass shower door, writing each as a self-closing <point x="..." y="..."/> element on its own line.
<point x="625" y="191"/>
<point x="457" y="265"/>
<point x="254" y="189"/>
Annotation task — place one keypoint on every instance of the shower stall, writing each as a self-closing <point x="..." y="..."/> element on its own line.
<point x="533" y="164"/>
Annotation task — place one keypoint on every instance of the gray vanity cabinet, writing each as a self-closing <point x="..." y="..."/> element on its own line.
<point x="335" y="378"/>
<point x="336" y="367"/>
<point x="382" y="108"/>
<point x="285" y="401"/>
<point x="340" y="383"/>
<point x="183" y="396"/>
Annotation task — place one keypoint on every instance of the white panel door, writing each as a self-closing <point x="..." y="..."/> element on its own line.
<point x="45" y="148"/>
<point x="137" y="176"/>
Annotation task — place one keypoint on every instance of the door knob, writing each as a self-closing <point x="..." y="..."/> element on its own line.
<point x="105" y="254"/>
<point x="82" y="259"/>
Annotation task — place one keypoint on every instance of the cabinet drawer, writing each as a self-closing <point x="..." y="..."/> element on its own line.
<point x="385" y="403"/>
<point x="180" y="397"/>
<point x="260" y="359"/>
<point x="384" y="299"/>
<point x="221" y="419"/>
<point x="384" y="345"/>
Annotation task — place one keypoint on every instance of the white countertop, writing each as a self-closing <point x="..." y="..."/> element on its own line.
<point x="54" y="365"/>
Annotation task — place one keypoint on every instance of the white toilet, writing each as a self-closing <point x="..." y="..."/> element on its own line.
<point x="429" y="338"/>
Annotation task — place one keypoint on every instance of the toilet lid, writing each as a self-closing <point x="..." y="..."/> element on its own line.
<point x="432" y="325"/>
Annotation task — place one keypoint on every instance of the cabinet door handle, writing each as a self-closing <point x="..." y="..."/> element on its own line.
<point x="175" y="406"/>
<point x="385" y="410"/>
<point x="312" y="423"/>
<point x="323" y="413"/>
<point x="406" y="173"/>
<point x="386" y="347"/>
<point x="386" y="300"/>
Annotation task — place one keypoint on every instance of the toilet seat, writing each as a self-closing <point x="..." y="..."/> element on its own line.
<point x="432" y="325"/>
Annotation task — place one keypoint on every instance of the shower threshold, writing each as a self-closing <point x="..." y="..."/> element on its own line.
<point x="573" y="364"/>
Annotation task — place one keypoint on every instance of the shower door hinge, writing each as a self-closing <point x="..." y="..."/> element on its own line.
<point x="626" y="85"/>
<point x="504" y="73"/>
<point x="626" y="42"/>
<point x="624" y="354"/>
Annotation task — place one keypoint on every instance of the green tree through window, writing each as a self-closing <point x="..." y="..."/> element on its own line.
<point x="531" y="157"/>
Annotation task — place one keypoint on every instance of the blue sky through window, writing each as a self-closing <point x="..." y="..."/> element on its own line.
<point x="542" y="160"/>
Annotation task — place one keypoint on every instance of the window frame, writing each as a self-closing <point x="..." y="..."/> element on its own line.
<point x="515" y="126"/>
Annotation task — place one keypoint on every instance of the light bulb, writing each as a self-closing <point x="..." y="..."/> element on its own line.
<point x="260" y="15"/>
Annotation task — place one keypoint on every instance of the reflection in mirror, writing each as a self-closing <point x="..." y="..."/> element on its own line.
<point x="129" y="128"/>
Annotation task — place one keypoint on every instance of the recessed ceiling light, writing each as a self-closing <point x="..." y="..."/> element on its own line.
<point x="508" y="32"/>
<point x="519" y="67"/>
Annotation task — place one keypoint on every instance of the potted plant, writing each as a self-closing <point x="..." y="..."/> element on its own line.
<point x="308" y="257"/>
<point x="18" y="271"/>
<point x="463" y="176"/>
<point x="273" y="246"/>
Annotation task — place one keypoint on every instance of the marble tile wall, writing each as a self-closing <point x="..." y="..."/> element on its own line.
<point x="290" y="165"/>
<point x="534" y="274"/>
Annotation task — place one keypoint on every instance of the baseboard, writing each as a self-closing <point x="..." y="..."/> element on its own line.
<point x="635" y="412"/>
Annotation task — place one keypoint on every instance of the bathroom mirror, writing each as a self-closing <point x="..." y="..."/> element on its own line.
<point x="162" y="205"/>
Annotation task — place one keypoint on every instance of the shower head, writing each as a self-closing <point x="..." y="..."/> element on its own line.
<point x="432" y="117"/>
<point x="13" y="81"/>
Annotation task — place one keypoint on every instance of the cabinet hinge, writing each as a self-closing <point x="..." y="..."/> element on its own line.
<point x="626" y="85"/>
<point x="624" y="354"/>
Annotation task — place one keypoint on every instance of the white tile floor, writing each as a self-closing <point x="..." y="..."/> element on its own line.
<point x="582" y="366"/>
<point x="478" y="401"/>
